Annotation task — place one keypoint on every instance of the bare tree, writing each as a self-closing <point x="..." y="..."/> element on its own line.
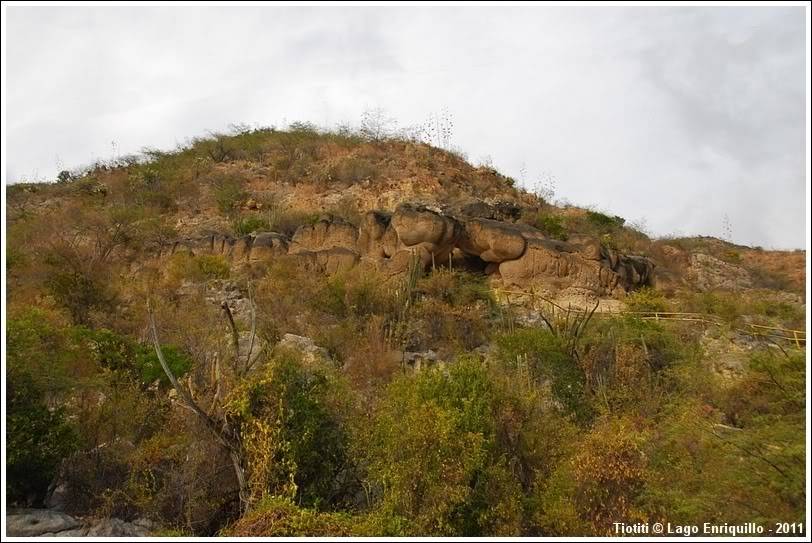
<point x="213" y="418"/>
<point x="375" y="125"/>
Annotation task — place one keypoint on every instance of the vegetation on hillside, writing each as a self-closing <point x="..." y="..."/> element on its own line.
<point x="515" y="429"/>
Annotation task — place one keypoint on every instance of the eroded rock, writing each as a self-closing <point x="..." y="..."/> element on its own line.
<point x="521" y="254"/>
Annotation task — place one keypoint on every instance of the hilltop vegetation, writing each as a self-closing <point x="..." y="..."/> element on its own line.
<point x="367" y="404"/>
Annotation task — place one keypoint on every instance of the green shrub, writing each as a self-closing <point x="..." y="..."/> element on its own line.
<point x="246" y="225"/>
<point x="149" y="367"/>
<point x="38" y="439"/>
<point x="290" y="426"/>
<point x="433" y="449"/>
<point x="646" y="299"/>
<point x="228" y="193"/>
<point x="280" y="517"/>
<point x="551" y="225"/>
<point x="545" y="356"/>
<point x="604" y="222"/>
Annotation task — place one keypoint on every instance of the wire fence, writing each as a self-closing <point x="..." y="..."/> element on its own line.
<point x="796" y="338"/>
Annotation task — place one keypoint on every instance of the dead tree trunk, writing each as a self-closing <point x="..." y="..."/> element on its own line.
<point x="213" y="420"/>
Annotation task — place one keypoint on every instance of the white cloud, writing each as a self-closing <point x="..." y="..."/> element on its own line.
<point x="675" y="115"/>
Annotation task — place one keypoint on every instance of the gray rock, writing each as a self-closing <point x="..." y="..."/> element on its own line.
<point x="113" y="527"/>
<point x="37" y="522"/>
<point x="309" y="350"/>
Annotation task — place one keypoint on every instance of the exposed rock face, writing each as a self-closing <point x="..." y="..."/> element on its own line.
<point x="306" y="347"/>
<point x="267" y="245"/>
<point x="709" y="273"/>
<point x="374" y="227"/>
<point x="498" y="211"/>
<point x="325" y="234"/>
<point x="492" y="241"/>
<point x="521" y="254"/>
<point x="49" y="523"/>
<point x="424" y="232"/>
<point x="36" y="522"/>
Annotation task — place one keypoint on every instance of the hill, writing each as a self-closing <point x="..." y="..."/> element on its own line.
<point x="302" y="332"/>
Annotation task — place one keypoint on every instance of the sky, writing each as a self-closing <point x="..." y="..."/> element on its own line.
<point x="683" y="120"/>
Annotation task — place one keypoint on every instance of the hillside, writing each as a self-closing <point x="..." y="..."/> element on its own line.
<point x="302" y="332"/>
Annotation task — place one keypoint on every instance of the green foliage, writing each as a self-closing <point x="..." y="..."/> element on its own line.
<point x="38" y="438"/>
<point x="646" y="299"/>
<point x="741" y="460"/>
<point x="603" y="222"/>
<point x="440" y="446"/>
<point x="149" y="369"/>
<point x="78" y="291"/>
<point x="546" y="357"/>
<point x="600" y="484"/>
<point x="247" y="225"/>
<point x="228" y="192"/>
<point x="289" y="419"/>
<point x="280" y="517"/>
<point x="551" y="225"/>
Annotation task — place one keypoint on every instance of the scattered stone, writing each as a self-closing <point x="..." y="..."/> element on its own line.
<point x="309" y="350"/>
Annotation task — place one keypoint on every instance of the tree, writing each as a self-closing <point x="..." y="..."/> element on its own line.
<point x="376" y="126"/>
<point x="214" y="417"/>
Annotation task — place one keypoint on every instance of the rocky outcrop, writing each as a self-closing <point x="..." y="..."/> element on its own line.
<point x="49" y="523"/>
<point x="710" y="273"/>
<point x="520" y="254"/>
<point x="304" y="346"/>
<point x="326" y="234"/>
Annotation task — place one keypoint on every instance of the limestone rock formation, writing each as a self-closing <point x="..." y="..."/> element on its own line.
<point x="520" y="254"/>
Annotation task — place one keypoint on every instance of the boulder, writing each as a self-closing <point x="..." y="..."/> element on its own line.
<point x="371" y="234"/>
<point x="498" y="211"/>
<point x="558" y="265"/>
<point x="267" y="245"/>
<point x="419" y="227"/>
<point x="113" y="527"/>
<point x="635" y="271"/>
<point x="305" y="346"/>
<point x="492" y="241"/>
<point x="329" y="261"/>
<point x="37" y="522"/>
<point x="325" y="234"/>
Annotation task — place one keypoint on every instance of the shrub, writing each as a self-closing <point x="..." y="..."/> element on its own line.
<point x="433" y="451"/>
<point x="248" y="225"/>
<point x="602" y="483"/>
<point x="351" y="170"/>
<point x="604" y="222"/>
<point x="198" y="268"/>
<point x="80" y="292"/>
<point x="38" y="439"/>
<point x="551" y="226"/>
<point x="280" y="517"/>
<point x="547" y="359"/>
<point x="149" y="369"/>
<point x="646" y="299"/>
<point x="228" y="193"/>
<point x="294" y="442"/>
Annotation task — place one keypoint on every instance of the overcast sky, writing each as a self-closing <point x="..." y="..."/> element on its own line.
<point x="671" y="117"/>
